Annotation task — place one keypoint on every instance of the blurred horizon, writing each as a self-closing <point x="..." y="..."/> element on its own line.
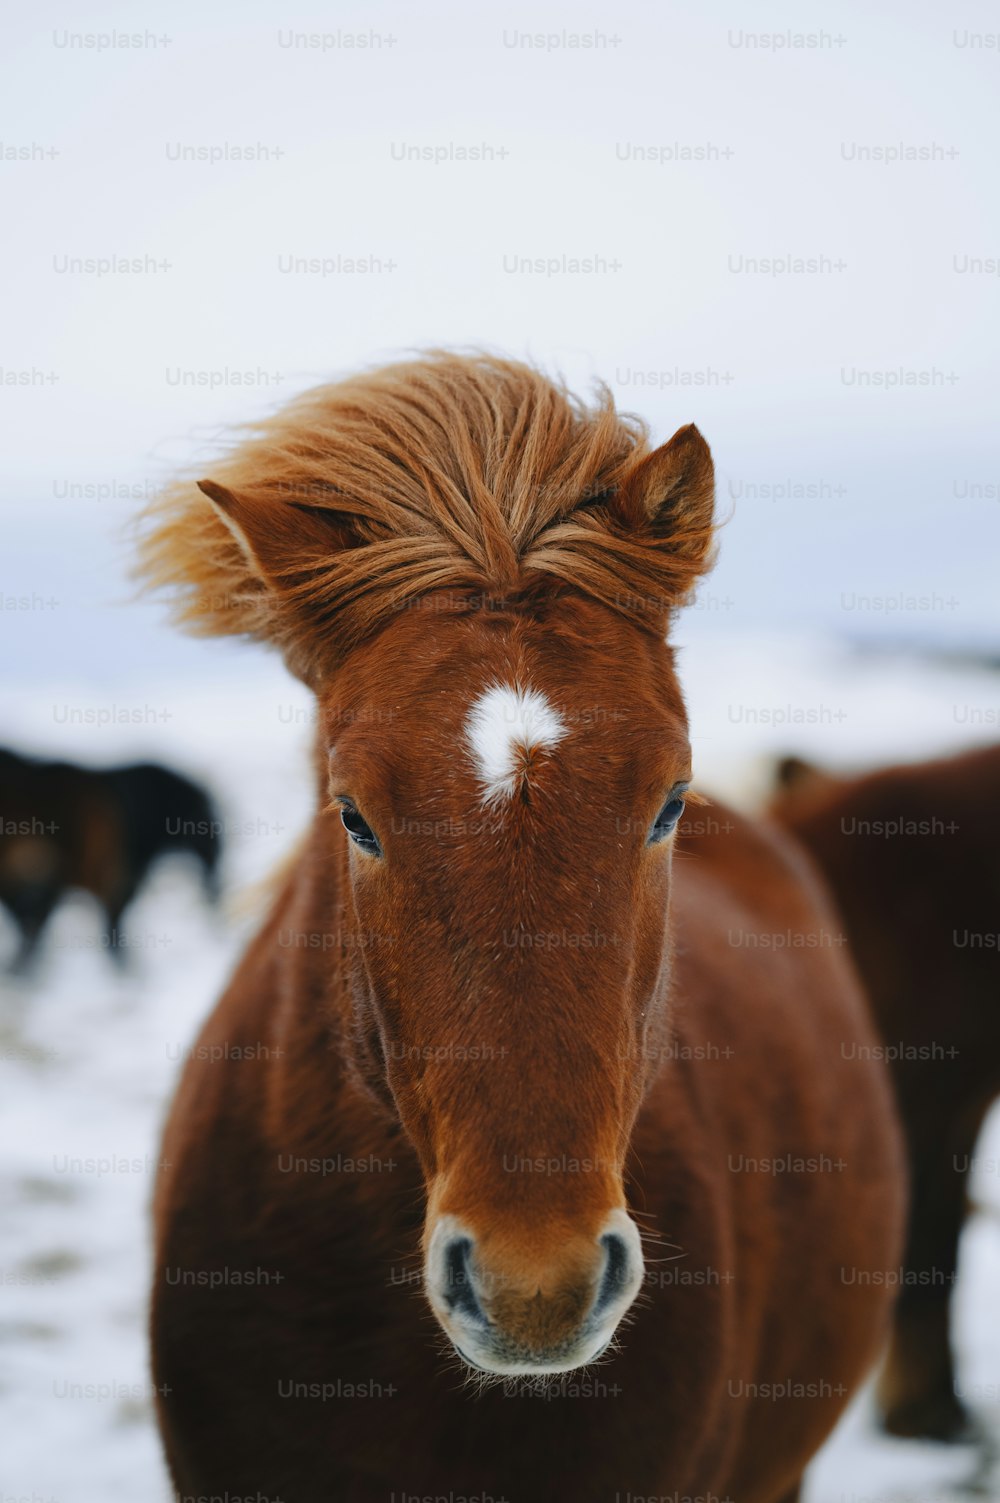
<point x="788" y="243"/>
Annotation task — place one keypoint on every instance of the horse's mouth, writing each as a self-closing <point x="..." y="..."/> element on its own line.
<point x="529" y="1370"/>
<point x="549" y="1322"/>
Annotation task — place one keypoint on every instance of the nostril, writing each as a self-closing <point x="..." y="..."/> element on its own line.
<point x="616" y="1271"/>
<point x="459" y="1292"/>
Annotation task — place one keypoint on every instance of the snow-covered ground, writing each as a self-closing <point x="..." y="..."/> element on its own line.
<point x="88" y="1054"/>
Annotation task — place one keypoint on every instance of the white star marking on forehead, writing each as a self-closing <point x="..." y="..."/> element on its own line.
<point x="505" y="724"/>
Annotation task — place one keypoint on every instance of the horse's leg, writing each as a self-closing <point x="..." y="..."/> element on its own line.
<point x="211" y="886"/>
<point x="31" y="918"/>
<point x="916" y="1388"/>
<point x="114" y="913"/>
<point x="26" y="953"/>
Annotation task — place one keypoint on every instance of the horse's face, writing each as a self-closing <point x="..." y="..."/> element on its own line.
<point x="508" y="789"/>
<point x="508" y="781"/>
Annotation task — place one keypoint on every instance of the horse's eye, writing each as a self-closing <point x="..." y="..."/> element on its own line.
<point x="360" y="831"/>
<point x="667" y="818"/>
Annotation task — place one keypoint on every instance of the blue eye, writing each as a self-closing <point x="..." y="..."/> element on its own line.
<point x="666" y="820"/>
<point x="360" y="831"/>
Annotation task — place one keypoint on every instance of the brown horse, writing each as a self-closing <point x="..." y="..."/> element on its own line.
<point x="95" y="830"/>
<point x="489" y="1014"/>
<point x="913" y="857"/>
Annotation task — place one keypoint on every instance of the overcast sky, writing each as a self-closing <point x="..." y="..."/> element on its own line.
<point x="775" y="221"/>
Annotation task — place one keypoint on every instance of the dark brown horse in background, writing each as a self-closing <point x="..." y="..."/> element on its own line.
<point x="490" y="1015"/>
<point x="912" y="854"/>
<point x="100" y="830"/>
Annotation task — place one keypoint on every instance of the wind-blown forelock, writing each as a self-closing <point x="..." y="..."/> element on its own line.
<point x="463" y="472"/>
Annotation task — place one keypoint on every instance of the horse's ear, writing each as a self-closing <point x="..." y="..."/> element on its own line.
<point x="795" y="772"/>
<point x="801" y="780"/>
<point x="800" y="788"/>
<point x="671" y="492"/>
<point x="278" y="539"/>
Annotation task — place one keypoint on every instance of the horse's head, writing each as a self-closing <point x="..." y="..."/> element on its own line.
<point x="505" y="761"/>
<point x="509" y="787"/>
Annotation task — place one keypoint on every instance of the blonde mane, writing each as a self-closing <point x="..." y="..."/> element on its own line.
<point x="461" y="472"/>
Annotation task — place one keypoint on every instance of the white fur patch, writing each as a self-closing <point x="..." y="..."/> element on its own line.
<point x="504" y="725"/>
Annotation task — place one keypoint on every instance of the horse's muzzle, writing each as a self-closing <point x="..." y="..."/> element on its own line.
<point x="522" y="1320"/>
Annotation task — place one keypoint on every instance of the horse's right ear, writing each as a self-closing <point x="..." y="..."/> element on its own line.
<point x="279" y="539"/>
<point x="672" y="490"/>
<point x="668" y="499"/>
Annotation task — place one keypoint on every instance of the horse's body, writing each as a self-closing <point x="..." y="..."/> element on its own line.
<point x="912" y="856"/>
<point x="757" y="1285"/>
<point x="466" y="1018"/>
<point x="98" y="830"/>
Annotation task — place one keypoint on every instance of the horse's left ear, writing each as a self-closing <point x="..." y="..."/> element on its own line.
<point x="277" y="538"/>
<point x="671" y="492"/>
<point x="281" y="550"/>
